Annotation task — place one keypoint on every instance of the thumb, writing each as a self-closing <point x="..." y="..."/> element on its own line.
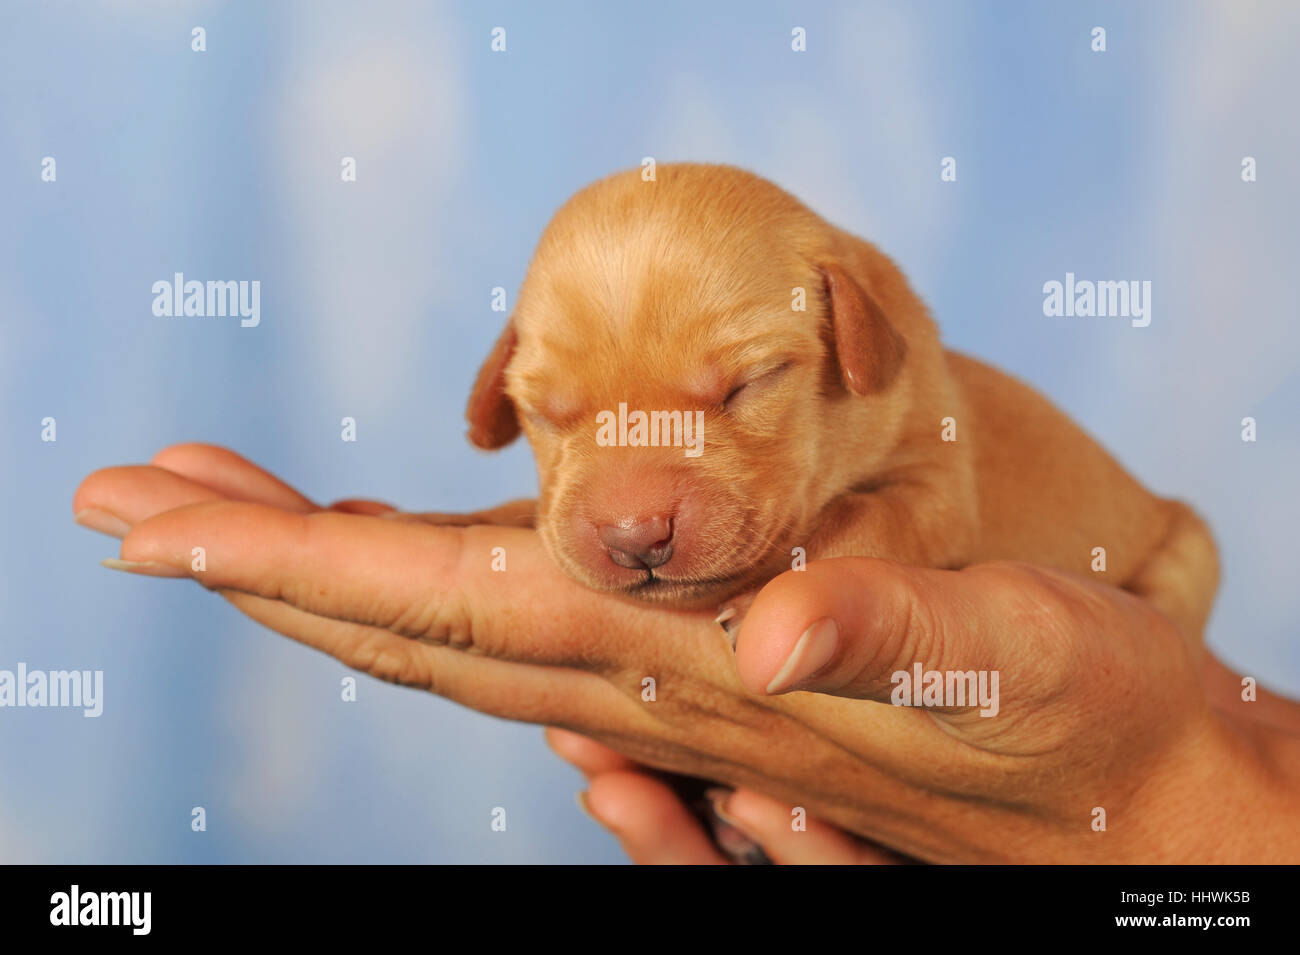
<point x="857" y="627"/>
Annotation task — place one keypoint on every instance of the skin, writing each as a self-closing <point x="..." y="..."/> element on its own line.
<point x="1103" y="702"/>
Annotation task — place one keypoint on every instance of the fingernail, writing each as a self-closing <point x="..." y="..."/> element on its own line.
<point x="102" y="521"/>
<point x="718" y="797"/>
<point x="147" y="568"/>
<point x="813" y="651"/>
<point x="725" y="621"/>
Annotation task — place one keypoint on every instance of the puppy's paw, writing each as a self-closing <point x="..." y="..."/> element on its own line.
<point x="733" y="612"/>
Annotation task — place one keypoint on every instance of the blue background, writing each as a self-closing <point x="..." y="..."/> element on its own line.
<point x="375" y="304"/>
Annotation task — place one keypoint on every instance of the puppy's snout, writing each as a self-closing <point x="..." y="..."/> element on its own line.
<point x="639" y="543"/>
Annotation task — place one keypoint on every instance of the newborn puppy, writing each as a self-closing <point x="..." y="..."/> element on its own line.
<point x="715" y="382"/>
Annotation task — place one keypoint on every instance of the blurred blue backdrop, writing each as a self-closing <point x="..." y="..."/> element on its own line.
<point x="375" y="303"/>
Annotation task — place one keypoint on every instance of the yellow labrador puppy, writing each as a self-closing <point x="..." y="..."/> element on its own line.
<point x="716" y="383"/>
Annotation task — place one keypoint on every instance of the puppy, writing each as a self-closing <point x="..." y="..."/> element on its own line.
<point x="716" y="382"/>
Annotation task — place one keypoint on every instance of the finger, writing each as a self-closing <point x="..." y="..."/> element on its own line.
<point x="238" y="479"/>
<point x="113" y="500"/>
<point x="436" y="518"/>
<point x="1002" y="639"/>
<point x="519" y="513"/>
<point x="430" y="583"/>
<point x="789" y="837"/>
<point x="509" y="690"/>
<point x="588" y="756"/>
<point x="652" y="824"/>
<point x="846" y="626"/>
<point x="231" y="476"/>
<point x="358" y="505"/>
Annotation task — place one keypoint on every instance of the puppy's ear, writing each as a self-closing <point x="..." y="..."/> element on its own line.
<point x="869" y="349"/>
<point x="491" y="415"/>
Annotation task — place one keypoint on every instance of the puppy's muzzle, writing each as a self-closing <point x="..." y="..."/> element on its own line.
<point x="639" y="544"/>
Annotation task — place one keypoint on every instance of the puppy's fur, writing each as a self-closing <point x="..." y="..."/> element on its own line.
<point x="822" y="428"/>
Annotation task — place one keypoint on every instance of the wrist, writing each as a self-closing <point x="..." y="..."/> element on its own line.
<point x="1230" y="793"/>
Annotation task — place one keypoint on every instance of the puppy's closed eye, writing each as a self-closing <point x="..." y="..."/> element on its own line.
<point x="557" y="410"/>
<point x="753" y="386"/>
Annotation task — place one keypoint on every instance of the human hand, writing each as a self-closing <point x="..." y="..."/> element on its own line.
<point x="656" y="825"/>
<point x="1100" y="701"/>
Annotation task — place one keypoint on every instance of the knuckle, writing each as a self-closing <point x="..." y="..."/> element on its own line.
<point x="448" y="618"/>
<point x="390" y="661"/>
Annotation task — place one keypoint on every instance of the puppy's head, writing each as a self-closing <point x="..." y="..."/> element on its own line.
<point x="701" y="364"/>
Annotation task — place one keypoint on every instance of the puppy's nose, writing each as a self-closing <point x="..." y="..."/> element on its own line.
<point x="639" y="543"/>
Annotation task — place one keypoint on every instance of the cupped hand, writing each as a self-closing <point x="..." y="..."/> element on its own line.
<point x="656" y="825"/>
<point x="1099" y="701"/>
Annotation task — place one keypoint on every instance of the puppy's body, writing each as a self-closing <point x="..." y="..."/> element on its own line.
<point x="824" y="425"/>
